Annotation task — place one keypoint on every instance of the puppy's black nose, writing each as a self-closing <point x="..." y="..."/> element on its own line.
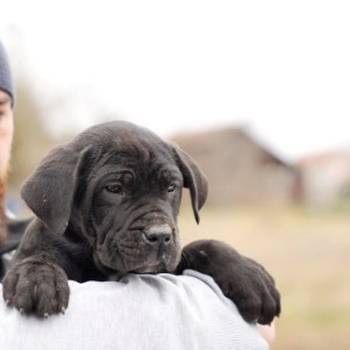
<point x="158" y="234"/>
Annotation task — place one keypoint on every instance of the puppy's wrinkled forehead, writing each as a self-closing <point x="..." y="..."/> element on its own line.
<point x="138" y="147"/>
<point x="125" y="143"/>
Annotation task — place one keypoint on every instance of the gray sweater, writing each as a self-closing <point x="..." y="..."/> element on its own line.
<point x="141" y="312"/>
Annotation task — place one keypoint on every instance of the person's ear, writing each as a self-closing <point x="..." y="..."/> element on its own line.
<point x="194" y="180"/>
<point x="49" y="192"/>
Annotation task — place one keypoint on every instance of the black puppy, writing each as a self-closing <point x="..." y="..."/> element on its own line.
<point x="106" y="204"/>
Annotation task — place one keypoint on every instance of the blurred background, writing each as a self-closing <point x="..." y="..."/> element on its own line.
<point x="256" y="91"/>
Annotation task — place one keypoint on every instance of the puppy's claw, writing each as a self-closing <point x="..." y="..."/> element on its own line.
<point x="63" y="310"/>
<point x="8" y="302"/>
<point x="21" y="310"/>
<point x="46" y="315"/>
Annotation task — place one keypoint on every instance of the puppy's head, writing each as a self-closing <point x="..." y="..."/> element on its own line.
<point x="119" y="186"/>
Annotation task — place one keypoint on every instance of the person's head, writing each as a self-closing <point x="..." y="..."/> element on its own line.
<point x="6" y="112"/>
<point x="6" y="128"/>
<point x="6" y="131"/>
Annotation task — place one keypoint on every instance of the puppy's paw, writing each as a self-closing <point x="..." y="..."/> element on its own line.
<point x="253" y="291"/>
<point x="241" y="279"/>
<point x="36" y="287"/>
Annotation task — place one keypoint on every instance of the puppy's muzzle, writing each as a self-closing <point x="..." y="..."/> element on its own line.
<point x="157" y="235"/>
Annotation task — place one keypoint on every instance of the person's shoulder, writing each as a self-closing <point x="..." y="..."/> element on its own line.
<point x="184" y="312"/>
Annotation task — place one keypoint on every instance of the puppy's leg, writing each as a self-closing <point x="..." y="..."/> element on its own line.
<point x="241" y="279"/>
<point x="36" y="285"/>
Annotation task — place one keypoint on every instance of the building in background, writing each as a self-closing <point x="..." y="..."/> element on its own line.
<point x="240" y="170"/>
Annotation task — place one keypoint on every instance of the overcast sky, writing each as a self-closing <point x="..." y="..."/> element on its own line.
<point x="281" y="68"/>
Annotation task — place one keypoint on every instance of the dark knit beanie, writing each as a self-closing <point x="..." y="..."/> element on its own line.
<point x="6" y="83"/>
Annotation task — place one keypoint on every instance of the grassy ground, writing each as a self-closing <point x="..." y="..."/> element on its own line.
<point x="308" y="253"/>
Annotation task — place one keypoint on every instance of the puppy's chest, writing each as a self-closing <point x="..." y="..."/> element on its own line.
<point x="79" y="264"/>
<point x="83" y="270"/>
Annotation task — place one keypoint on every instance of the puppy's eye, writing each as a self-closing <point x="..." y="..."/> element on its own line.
<point x="115" y="188"/>
<point x="172" y="188"/>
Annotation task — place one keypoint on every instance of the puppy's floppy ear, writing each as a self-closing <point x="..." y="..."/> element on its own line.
<point x="194" y="180"/>
<point x="49" y="192"/>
